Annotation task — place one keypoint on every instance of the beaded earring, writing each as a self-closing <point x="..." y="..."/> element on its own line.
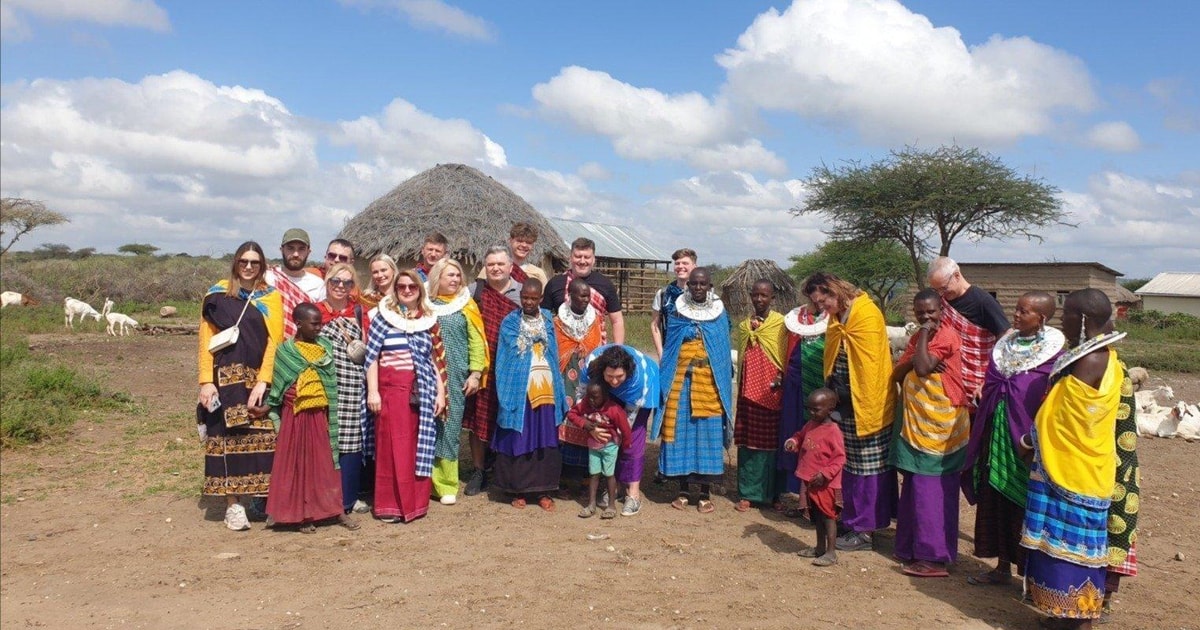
<point x="1082" y="328"/>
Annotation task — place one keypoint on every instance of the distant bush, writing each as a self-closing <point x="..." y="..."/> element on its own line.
<point x="138" y="279"/>
<point x="1166" y="321"/>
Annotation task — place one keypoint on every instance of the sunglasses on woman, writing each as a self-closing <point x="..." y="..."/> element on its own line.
<point x="246" y="262"/>
<point x="338" y="282"/>
<point x="405" y="288"/>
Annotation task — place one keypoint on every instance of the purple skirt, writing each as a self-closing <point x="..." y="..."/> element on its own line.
<point x="869" y="500"/>
<point x="1064" y="589"/>
<point x="630" y="460"/>
<point x="927" y="521"/>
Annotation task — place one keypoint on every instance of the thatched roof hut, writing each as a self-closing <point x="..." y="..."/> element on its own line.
<point x="471" y="209"/>
<point x="735" y="291"/>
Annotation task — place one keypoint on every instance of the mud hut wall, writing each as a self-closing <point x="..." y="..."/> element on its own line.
<point x="636" y="280"/>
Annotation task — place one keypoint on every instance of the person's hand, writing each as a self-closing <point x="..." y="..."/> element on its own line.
<point x="472" y="384"/>
<point x="257" y="394"/>
<point x="439" y="403"/>
<point x="202" y="431"/>
<point x="374" y="402"/>
<point x="207" y="392"/>
<point x="818" y="480"/>
<point x="257" y="412"/>
<point x="789" y="445"/>
<point x="1025" y="449"/>
<point x="600" y="434"/>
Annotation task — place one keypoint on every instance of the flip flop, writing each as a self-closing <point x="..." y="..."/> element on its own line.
<point x="923" y="569"/>
<point x="680" y="502"/>
<point x="808" y="553"/>
<point x="546" y="503"/>
<point x="704" y="506"/>
<point x="349" y="524"/>
<point x="824" y="561"/>
<point x="742" y="506"/>
<point x="519" y="503"/>
<point x="989" y="578"/>
<point x="308" y="528"/>
<point x="609" y="514"/>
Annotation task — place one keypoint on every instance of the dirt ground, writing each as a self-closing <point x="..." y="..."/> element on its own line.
<point x="106" y="530"/>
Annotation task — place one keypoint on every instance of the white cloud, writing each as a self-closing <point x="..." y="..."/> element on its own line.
<point x="433" y="15"/>
<point x="132" y="13"/>
<point x="403" y="134"/>
<point x="877" y="67"/>
<point x="646" y="124"/>
<point x="1116" y="136"/>
<point x="593" y="170"/>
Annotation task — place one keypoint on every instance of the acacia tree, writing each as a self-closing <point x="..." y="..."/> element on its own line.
<point x="878" y="267"/>
<point x="137" y="249"/>
<point x="19" y="217"/>
<point x="920" y="199"/>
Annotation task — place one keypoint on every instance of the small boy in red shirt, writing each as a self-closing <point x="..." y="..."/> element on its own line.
<point x="822" y="457"/>
<point x="598" y="411"/>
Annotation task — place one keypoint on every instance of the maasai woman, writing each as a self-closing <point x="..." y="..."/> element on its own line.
<point x="1074" y="465"/>
<point x="633" y="379"/>
<point x="466" y="360"/>
<point x="405" y="391"/>
<point x="931" y="442"/>
<point x="237" y="448"/>
<point x="578" y="329"/>
<point x="858" y="367"/>
<point x="762" y="344"/>
<point x="695" y="422"/>
<point x="344" y="323"/>
<point x="531" y="403"/>
<point x="994" y="478"/>
<point x="804" y="374"/>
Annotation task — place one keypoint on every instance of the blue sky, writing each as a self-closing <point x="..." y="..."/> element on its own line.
<point x="194" y="126"/>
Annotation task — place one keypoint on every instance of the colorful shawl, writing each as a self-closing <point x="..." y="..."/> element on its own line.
<point x="864" y="337"/>
<point x="977" y="343"/>
<point x="640" y="389"/>
<point x="596" y="299"/>
<point x="513" y="359"/>
<point x="770" y="335"/>
<point x="1123" y="512"/>
<point x="461" y="330"/>
<point x="427" y="354"/>
<point x="670" y="293"/>
<point x="292" y="296"/>
<point x="715" y="335"/>
<point x="493" y="307"/>
<point x="267" y="301"/>
<point x="289" y="363"/>
<point x="574" y="345"/>
<point x="351" y="381"/>
<point x="1075" y="428"/>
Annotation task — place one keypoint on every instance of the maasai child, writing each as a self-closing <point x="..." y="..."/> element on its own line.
<point x="930" y="446"/>
<point x="598" y="410"/>
<point x="578" y="329"/>
<point x="822" y="455"/>
<point x="803" y="374"/>
<point x="305" y="484"/>
<point x="762" y="348"/>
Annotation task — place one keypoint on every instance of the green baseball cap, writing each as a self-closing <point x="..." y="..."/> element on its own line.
<point x="295" y="234"/>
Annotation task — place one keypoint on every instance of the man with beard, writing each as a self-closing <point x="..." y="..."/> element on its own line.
<point x="295" y="283"/>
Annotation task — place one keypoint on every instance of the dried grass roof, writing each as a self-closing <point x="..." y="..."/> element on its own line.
<point x="471" y="209"/>
<point x="735" y="291"/>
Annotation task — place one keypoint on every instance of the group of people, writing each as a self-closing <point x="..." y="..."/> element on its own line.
<point x="334" y="398"/>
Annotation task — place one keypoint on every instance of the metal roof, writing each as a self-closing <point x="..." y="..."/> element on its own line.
<point x="1179" y="283"/>
<point x="1101" y="267"/>
<point x="612" y="241"/>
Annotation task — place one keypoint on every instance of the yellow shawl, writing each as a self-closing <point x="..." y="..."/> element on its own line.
<point x="864" y="336"/>
<point x="1075" y="428"/>
<point x="771" y="336"/>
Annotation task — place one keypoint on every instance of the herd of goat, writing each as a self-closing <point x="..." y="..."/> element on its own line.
<point x="1158" y="414"/>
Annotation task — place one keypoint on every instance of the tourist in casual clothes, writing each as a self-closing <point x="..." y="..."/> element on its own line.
<point x="238" y="449"/>
<point x="1075" y="461"/>
<point x="632" y="379"/>
<point x="578" y="329"/>
<point x="762" y="347"/>
<point x="406" y="392"/>
<point x="604" y="294"/>
<point x="974" y="314"/>
<point x="995" y="479"/>
<point x="383" y="274"/>
<point x="531" y="403"/>
<point x="344" y="323"/>
<point x="466" y="349"/>
<point x="821" y="455"/>
<point x="432" y="250"/>
<point x="305" y="487"/>
<point x="683" y="262"/>
<point x="858" y="367"/>
<point x="931" y="442"/>
<point x="696" y="420"/>
<point x="804" y="374"/>
<point x="294" y="282"/>
<point x="497" y="297"/>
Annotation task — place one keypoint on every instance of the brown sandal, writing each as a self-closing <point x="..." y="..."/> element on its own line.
<point x="742" y="506"/>
<point x="704" y="506"/>
<point x="546" y="503"/>
<point x="680" y="502"/>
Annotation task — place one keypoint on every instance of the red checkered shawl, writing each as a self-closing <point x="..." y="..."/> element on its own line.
<point x="977" y="344"/>
<point x="493" y="306"/>
<point x="292" y="296"/>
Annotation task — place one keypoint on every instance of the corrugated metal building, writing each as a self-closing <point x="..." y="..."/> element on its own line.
<point x="1172" y="292"/>
<point x="634" y="264"/>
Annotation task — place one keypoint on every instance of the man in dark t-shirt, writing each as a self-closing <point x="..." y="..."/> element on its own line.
<point x="605" y="298"/>
<point x="974" y="314"/>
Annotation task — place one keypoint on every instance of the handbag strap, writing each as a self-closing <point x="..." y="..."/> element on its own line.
<point x="358" y="320"/>
<point x="239" y="319"/>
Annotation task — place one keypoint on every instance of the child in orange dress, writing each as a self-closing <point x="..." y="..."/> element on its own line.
<point x="822" y="457"/>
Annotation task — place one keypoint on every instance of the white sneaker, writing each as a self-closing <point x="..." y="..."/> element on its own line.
<point x="448" y="499"/>
<point x="235" y="518"/>
<point x="360" y="507"/>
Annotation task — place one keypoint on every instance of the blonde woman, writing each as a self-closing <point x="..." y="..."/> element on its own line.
<point x="383" y="271"/>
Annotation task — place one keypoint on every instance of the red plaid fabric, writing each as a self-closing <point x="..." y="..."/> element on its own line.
<point x="493" y="306"/>
<point x="977" y="344"/>
<point x="756" y="427"/>
<point x="1129" y="566"/>
<point x="292" y="296"/>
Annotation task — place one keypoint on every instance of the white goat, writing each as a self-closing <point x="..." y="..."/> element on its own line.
<point x="1189" y="421"/>
<point x="73" y="308"/>
<point x="1154" y="420"/>
<point x="1157" y="396"/>
<point x="898" y="337"/>
<point x="119" y="321"/>
<point x="108" y="306"/>
<point x="1138" y="376"/>
<point x="12" y="298"/>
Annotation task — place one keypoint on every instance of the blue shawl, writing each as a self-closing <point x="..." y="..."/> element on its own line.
<point x="420" y="344"/>
<point x="641" y="388"/>
<point x="715" y="334"/>
<point x="512" y="372"/>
